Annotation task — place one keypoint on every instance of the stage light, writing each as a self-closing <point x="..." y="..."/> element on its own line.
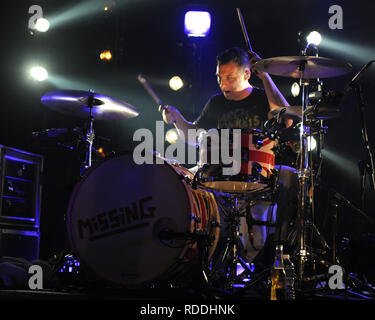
<point x="171" y="136"/>
<point x="176" y="83"/>
<point x="311" y="143"/>
<point x="39" y="73"/>
<point x="42" y="25"/>
<point x="197" y="23"/>
<point x="344" y="162"/>
<point x="105" y="55"/>
<point x="295" y="89"/>
<point x="350" y="50"/>
<point x="314" y="38"/>
<point x="109" y="5"/>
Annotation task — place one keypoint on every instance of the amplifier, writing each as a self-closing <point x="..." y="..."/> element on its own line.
<point x="20" y="187"/>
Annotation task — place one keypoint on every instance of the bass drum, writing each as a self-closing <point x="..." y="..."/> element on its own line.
<point x="118" y="211"/>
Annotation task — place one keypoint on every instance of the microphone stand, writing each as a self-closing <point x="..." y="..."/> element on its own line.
<point x="365" y="166"/>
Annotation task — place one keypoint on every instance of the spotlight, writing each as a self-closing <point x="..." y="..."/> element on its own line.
<point x="311" y="143"/>
<point x="171" y="136"/>
<point x="176" y="83"/>
<point x="105" y="55"/>
<point x="109" y="5"/>
<point x="39" y="73"/>
<point x="295" y="89"/>
<point x="314" y="38"/>
<point x="42" y="25"/>
<point x="197" y="23"/>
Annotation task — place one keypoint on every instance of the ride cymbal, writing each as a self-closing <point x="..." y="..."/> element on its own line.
<point x="307" y="67"/>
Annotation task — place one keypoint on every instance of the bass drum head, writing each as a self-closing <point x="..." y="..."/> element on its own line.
<point x="116" y="213"/>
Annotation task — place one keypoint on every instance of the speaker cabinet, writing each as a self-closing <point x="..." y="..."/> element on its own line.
<point x="20" y="188"/>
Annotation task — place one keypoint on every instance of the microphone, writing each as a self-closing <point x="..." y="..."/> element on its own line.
<point x="50" y="133"/>
<point x="358" y="76"/>
<point x="335" y="97"/>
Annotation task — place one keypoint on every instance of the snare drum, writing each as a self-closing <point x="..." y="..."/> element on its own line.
<point x="257" y="163"/>
<point x="118" y="211"/>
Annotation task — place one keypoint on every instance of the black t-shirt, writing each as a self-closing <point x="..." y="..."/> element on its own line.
<point x="249" y="113"/>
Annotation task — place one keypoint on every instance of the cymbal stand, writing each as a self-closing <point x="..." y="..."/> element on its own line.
<point x="304" y="175"/>
<point x="89" y="138"/>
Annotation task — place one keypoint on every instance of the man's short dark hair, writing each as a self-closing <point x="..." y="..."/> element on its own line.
<point x="234" y="54"/>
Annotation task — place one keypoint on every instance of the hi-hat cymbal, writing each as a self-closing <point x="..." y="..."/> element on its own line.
<point x="76" y="103"/>
<point x="318" y="112"/>
<point x="313" y="67"/>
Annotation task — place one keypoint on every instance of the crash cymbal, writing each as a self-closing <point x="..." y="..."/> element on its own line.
<point x="314" y="67"/>
<point x="318" y="112"/>
<point x="75" y="103"/>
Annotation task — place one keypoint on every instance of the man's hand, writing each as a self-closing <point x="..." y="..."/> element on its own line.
<point x="169" y="113"/>
<point x="253" y="58"/>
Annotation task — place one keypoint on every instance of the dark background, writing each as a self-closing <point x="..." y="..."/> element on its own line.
<point x="147" y="36"/>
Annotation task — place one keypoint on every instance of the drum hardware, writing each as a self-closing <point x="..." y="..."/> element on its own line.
<point x="305" y="68"/>
<point x="89" y="137"/>
<point x="305" y="177"/>
<point x="225" y="266"/>
<point x="327" y="255"/>
<point x="366" y="166"/>
<point x="90" y="106"/>
<point x="203" y="241"/>
<point x="233" y="252"/>
<point x="314" y="126"/>
<point x="263" y="276"/>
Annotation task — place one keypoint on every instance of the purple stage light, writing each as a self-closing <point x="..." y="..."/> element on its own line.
<point x="197" y="23"/>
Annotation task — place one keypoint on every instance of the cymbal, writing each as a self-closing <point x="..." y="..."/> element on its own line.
<point x="314" y="67"/>
<point x="318" y="112"/>
<point x="75" y="103"/>
<point x="291" y="112"/>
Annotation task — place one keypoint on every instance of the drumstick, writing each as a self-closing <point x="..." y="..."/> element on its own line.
<point x="243" y="27"/>
<point x="152" y="93"/>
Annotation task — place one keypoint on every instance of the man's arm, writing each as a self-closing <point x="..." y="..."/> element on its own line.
<point x="274" y="96"/>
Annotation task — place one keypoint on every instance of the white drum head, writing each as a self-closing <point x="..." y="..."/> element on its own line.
<point x="116" y="213"/>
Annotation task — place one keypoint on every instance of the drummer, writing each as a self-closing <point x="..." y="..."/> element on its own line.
<point x="241" y="106"/>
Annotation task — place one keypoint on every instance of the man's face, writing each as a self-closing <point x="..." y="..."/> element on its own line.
<point x="232" y="79"/>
